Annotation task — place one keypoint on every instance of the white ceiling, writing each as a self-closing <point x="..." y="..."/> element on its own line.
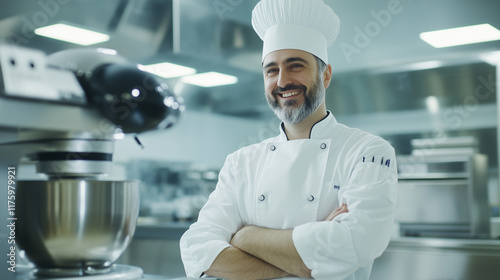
<point x="394" y="42"/>
<point x="398" y="41"/>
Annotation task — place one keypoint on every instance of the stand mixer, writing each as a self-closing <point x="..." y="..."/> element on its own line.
<point x="72" y="222"/>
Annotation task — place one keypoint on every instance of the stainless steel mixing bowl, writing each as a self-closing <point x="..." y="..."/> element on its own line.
<point x="75" y="224"/>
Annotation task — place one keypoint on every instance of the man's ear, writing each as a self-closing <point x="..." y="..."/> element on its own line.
<point x="327" y="76"/>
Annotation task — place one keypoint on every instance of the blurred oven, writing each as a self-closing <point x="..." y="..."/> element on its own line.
<point x="443" y="196"/>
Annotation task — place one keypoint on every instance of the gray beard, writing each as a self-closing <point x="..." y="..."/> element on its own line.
<point x="292" y="115"/>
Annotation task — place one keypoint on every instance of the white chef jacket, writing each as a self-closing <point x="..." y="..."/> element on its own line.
<point x="295" y="184"/>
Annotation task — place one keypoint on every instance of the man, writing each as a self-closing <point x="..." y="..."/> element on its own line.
<point x="318" y="200"/>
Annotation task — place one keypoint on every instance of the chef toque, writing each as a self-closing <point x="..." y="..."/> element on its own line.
<point x="308" y="25"/>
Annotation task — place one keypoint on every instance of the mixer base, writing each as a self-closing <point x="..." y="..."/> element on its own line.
<point x="115" y="272"/>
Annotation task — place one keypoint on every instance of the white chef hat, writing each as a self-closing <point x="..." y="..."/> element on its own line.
<point x="308" y="25"/>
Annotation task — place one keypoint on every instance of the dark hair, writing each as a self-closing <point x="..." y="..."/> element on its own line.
<point x="321" y="65"/>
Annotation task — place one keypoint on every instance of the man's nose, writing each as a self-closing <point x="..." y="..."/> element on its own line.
<point x="284" y="79"/>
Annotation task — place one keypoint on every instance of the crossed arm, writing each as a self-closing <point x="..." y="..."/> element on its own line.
<point x="262" y="253"/>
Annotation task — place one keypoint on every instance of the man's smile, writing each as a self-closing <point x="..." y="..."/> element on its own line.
<point x="289" y="94"/>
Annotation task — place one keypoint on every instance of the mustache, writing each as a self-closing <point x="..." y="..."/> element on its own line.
<point x="279" y="90"/>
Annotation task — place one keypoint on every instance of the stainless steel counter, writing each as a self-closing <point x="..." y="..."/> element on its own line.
<point x="155" y="249"/>
<point x="167" y="230"/>
<point x="409" y="258"/>
<point x="437" y="258"/>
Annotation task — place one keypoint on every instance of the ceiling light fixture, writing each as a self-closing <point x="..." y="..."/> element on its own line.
<point x="168" y="70"/>
<point x="432" y="104"/>
<point x="425" y="65"/>
<point x="492" y="58"/>
<point x="72" y="34"/>
<point x="107" y="51"/>
<point x="210" y="79"/>
<point x="461" y="35"/>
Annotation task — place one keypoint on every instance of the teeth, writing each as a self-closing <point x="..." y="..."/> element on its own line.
<point x="290" y="93"/>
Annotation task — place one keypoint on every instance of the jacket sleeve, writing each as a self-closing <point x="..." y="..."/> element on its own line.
<point x="335" y="249"/>
<point x="218" y="220"/>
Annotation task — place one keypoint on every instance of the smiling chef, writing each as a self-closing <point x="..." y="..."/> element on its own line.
<point x="318" y="200"/>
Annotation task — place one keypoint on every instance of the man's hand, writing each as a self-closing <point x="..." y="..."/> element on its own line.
<point x="336" y="212"/>
<point x="263" y="253"/>
<point x="234" y="264"/>
<point x="273" y="246"/>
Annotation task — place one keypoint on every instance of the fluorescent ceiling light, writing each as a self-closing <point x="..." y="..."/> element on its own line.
<point x="107" y="51"/>
<point x="425" y="65"/>
<point x="210" y="79"/>
<point x="492" y="58"/>
<point x="168" y="70"/>
<point x="72" y="34"/>
<point x="461" y="35"/>
<point x="432" y="104"/>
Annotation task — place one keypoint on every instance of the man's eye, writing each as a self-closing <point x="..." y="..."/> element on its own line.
<point x="296" y="66"/>
<point x="271" y="71"/>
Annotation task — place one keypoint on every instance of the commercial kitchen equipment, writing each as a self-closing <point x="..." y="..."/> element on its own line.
<point x="63" y="113"/>
<point x="438" y="258"/>
<point x="443" y="195"/>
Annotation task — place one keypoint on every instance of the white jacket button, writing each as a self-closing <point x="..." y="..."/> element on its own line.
<point x="310" y="198"/>
<point x="262" y="197"/>
<point x="272" y="148"/>
<point x="322" y="146"/>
